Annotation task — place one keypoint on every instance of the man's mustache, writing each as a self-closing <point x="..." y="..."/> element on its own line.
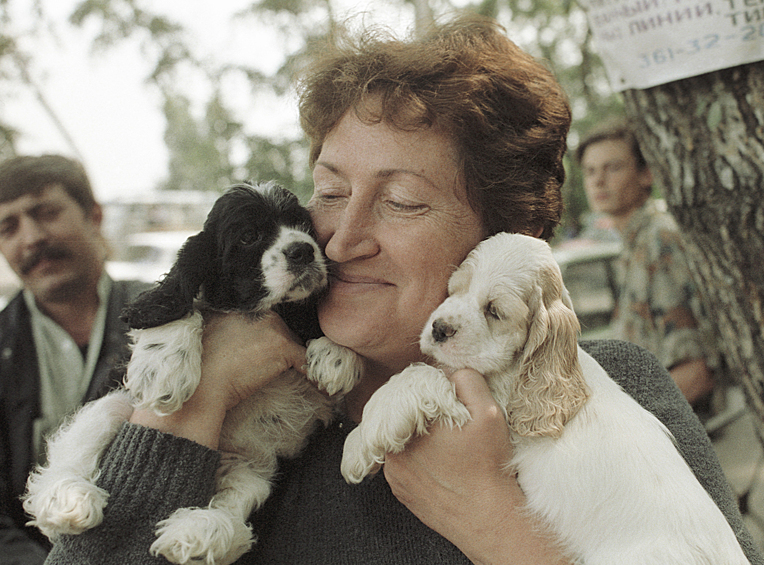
<point x="49" y="252"/>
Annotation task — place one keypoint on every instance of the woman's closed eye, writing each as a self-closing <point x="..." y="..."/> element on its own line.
<point x="406" y="207"/>
<point x="326" y="198"/>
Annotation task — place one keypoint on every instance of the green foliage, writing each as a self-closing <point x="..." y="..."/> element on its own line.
<point x="7" y="55"/>
<point x="198" y="149"/>
<point x="8" y="137"/>
<point x="161" y="39"/>
<point x="120" y="19"/>
<point x="283" y="162"/>
<point x="293" y="7"/>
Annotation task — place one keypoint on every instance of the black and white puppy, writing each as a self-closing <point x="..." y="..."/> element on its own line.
<point x="255" y="253"/>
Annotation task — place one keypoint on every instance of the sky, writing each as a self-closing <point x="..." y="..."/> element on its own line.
<point x="112" y="116"/>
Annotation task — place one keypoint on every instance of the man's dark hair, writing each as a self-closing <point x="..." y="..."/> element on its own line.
<point x="24" y="175"/>
<point x="612" y="130"/>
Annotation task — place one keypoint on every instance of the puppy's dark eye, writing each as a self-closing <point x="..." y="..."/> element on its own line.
<point x="249" y="237"/>
<point x="492" y="312"/>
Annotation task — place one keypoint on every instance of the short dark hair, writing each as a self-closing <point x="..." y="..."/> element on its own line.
<point x="610" y="130"/>
<point x="28" y="174"/>
<point x="506" y="113"/>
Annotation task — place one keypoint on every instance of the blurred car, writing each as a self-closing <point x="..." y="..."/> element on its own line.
<point x="147" y="256"/>
<point x="589" y="271"/>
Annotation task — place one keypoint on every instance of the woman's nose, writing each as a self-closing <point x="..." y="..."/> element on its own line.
<point x="353" y="236"/>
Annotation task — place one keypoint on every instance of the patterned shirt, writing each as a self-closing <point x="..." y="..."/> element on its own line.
<point x="658" y="305"/>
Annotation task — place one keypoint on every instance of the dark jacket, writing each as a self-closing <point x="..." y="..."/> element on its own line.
<point x="20" y="406"/>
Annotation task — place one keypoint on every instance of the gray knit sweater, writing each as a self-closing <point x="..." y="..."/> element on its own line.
<point x="314" y="517"/>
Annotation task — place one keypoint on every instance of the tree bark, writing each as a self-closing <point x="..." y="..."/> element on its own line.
<point x="704" y="139"/>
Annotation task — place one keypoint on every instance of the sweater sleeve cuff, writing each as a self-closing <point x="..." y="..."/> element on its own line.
<point x="148" y="468"/>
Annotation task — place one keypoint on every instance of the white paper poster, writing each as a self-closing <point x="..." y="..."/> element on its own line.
<point x="645" y="43"/>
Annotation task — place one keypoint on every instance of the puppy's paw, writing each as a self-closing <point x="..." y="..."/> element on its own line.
<point x="399" y="410"/>
<point x="334" y="369"/>
<point x="202" y="535"/>
<point x="383" y="429"/>
<point x="360" y="459"/>
<point x="68" y="507"/>
<point x="165" y="367"/>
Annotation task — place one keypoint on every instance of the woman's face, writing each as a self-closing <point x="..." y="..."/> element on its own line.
<point x="390" y="208"/>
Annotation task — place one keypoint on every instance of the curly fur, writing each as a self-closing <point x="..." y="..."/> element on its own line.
<point x="549" y="388"/>
<point x="256" y="252"/>
<point x="600" y="471"/>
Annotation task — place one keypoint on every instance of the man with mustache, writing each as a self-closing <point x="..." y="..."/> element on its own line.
<point x="60" y="336"/>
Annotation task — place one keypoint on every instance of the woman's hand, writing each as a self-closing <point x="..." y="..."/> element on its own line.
<point x="239" y="356"/>
<point x="456" y="481"/>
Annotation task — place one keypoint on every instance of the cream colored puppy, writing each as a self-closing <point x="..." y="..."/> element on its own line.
<point x="595" y="466"/>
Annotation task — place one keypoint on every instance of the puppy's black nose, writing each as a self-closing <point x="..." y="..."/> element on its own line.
<point x="441" y="331"/>
<point x="299" y="253"/>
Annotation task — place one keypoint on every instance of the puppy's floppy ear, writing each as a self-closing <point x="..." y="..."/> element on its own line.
<point x="567" y="300"/>
<point x="174" y="296"/>
<point x="550" y="388"/>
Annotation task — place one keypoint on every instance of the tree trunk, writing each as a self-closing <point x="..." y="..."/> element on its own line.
<point x="704" y="139"/>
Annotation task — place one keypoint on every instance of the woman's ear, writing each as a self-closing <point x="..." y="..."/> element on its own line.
<point x="550" y="387"/>
<point x="174" y="296"/>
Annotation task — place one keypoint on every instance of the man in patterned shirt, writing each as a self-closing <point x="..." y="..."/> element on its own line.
<point x="658" y="305"/>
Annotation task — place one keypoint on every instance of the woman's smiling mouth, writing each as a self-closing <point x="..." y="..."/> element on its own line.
<point x="345" y="282"/>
